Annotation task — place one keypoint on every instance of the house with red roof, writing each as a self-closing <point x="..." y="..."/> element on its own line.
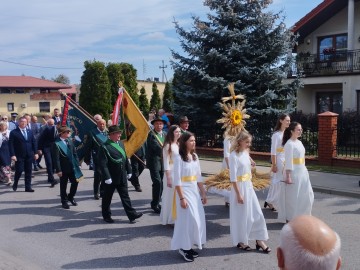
<point x="25" y="94"/>
<point x="328" y="57"/>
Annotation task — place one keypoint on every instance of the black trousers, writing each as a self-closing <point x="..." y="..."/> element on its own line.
<point x="98" y="184"/>
<point x="157" y="186"/>
<point x="122" y="189"/>
<point x="23" y="164"/>
<point x="49" y="164"/>
<point x="63" y="186"/>
<point x="137" y="168"/>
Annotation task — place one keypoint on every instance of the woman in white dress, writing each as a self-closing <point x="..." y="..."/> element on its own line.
<point x="247" y="221"/>
<point x="277" y="162"/>
<point x="297" y="196"/>
<point x="170" y="150"/>
<point x="190" y="227"/>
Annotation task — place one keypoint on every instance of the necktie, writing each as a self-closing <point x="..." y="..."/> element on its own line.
<point x="24" y="134"/>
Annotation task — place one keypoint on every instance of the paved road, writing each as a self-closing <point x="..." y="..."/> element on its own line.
<point x="36" y="233"/>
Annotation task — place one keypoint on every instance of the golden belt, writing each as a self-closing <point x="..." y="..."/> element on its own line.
<point x="280" y="149"/>
<point x="244" y="177"/>
<point x="188" y="178"/>
<point x="298" y="161"/>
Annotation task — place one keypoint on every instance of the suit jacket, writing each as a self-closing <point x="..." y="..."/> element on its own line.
<point x="93" y="145"/>
<point x="47" y="137"/>
<point x="61" y="162"/>
<point x="35" y="128"/>
<point x="20" y="147"/>
<point x="56" y="121"/>
<point x="113" y="164"/>
<point x="154" y="159"/>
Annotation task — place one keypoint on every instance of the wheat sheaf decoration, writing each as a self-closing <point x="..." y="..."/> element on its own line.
<point x="234" y="114"/>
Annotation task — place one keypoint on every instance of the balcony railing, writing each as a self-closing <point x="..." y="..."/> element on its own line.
<point x="339" y="62"/>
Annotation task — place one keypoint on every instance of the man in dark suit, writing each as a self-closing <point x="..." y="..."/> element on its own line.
<point x="56" y="117"/>
<point x="96" y="138"/>
<point x="46" y="140"/>
<point x="115" y="170"/>
<point x="22" y="147"/>
<point x="154" y="161"/>
<point x="66" y="165"/>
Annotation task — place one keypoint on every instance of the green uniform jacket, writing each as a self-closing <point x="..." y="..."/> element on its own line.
<point x="154" y="160"/>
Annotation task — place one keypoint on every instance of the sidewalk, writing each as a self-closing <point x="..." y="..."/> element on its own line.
<point x="338" y="184"/>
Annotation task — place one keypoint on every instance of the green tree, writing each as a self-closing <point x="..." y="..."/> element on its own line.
<point x="243" y="42"/>
<point x="61" y="79"/>
<point x="168" y="99"/>
<point x="130" y="83"/>
<point x="155" y="101"/>
<point x="115" y="76"/>
<point x="95" y="89"/>
<point x="144" y="102"/>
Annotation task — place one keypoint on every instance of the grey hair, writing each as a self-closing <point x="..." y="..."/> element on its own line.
<point x="296" y="257"/>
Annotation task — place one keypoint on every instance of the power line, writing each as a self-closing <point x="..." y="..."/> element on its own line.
<point x="21" y="64"/>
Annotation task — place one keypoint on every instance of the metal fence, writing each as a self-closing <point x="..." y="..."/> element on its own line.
<point x="348" y="135"/>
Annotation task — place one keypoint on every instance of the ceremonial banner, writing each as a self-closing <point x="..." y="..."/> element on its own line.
<point x="139" y="125"/>
<point x="116" y="110"/>
<point x="80" y="122"/>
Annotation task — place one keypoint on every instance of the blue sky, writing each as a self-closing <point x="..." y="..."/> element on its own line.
<point x="48" y="38"/>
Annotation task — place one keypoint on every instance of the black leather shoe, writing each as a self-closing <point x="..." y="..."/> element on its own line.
<point x="156" y="209"/>
<point x="136" y="216"/>
<point x="14" y="188"/>
<point x="40" y="167"/>
<point x="35" y="169"/>
<point x="72" y="201"/>
<point x="109" y="220"/>
<point x="65" y="205"/>
<point x="29" y="190"/>
<point x="138" y="189"/>
<point x="96" y="197"/>
<point x="53" y="183"/>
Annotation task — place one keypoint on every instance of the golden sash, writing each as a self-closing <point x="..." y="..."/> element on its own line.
<point x="188" y="178"/>
<point x="280" y="150"/>
<point x="244" y="177"/>
<point x="298" y="161"/>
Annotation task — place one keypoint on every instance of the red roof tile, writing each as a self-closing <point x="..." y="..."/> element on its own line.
<point x="72" y="90"/>
<point x="29" y="82"/>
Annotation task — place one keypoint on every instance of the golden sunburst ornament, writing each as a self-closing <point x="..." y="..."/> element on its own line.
<point x="234" y="114"/>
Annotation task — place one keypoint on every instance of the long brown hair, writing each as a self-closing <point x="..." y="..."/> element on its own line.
<point x="170" y="137"/>
<point x="182" y="147"/>
<point x="278" y="123"/>
<point x="287" y="132"/>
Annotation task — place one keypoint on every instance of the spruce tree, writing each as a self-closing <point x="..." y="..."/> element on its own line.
<point x="95" y="89"/>
<point x="144" y="102"/>
<point x="115" y="76"/>
<point x="155" y="101"/>
<point x="241" y="41"/>
<point x="168" y="99"/>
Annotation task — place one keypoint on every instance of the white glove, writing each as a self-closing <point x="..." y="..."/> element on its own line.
<point x="129" y="176"/>
<point x="109" y="181"/>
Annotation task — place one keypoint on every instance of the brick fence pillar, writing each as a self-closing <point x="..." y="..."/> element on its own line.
<point x="327" y="137"/>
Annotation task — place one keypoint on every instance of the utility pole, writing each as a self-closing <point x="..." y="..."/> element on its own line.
<point x="163" y="71"/>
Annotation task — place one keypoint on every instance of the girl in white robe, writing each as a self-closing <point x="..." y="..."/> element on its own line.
<point x="170" y="150"/>
<point x="190" y="227"/>
<point x="247" y="221"/>
<point x="297" y="196"/>
<point x="277" y="162"/>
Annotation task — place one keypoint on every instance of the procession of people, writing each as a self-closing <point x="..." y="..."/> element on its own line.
<point x="178" y="189"/>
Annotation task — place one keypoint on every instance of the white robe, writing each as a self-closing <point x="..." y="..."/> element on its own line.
<point x="190" y="226"/>
<point x="168" y="192"/>
<point x="276" y="150"/>
<point x="247" y="221"/>
<point x="296" y="198"/>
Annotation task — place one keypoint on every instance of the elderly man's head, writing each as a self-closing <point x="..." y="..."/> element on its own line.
<point x="308" y="243"/>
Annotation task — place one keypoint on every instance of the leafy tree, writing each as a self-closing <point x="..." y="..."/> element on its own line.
<point x="155" y="101"/>
<point x="130" y="83"/>
<point x="241" y="41"/>
<point x="144" y="102"/>
<point x="168" y="99"/>
<point x="95" y="89"/>
<point x="61" y="79"/>
<point x="115" y="76"/>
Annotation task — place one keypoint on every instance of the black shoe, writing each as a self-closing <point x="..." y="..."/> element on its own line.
<point x="39" y="166"/>
<point x="14" y="188"/>
<point x="265" y="250"/>
<point x="156" y="209"/>
<point x="108" y="220"/>
<point x="96" y="197"/>
<point x="193" y="253"/>
<point x="136" y="216"/>
<point x="138" y="189"/>
<point x="29" y="190"/>
<point x="72" y="201"/>
<point x="35" y="169"/>
<point x="186" y="255"/>
<point x="53" y="183"/>
<point x="65" y="205"/>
